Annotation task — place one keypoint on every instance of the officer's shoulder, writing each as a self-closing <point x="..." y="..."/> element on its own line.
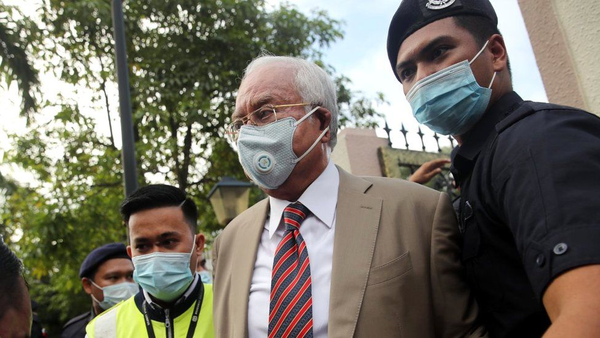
<point x="74" y="320"/>
<point x="534" y="115"/>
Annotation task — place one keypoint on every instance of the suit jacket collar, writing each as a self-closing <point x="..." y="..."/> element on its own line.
<point x="251" y="229"/>
<point x="356" y="229"/>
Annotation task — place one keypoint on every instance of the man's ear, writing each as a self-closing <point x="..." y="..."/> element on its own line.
<point x="200" y="240"/>
<point x="87" y="285"/>
<point x="499" y="54"/>
<point x="323" y="115"/>
<point x="129" y="251"/>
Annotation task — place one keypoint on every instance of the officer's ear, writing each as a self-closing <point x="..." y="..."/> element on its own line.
<point x="87" y="285"/>
<point x="499" y="55"/>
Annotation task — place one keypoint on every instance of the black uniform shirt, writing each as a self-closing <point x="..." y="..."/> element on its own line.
<point x="75" y="328"/>
<point x="530" y="207"/>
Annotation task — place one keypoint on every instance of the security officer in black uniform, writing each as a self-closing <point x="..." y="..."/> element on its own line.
<point x="107" y="276"/>
<point x="529" y="172"/>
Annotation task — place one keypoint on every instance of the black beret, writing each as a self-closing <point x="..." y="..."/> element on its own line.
<point x="413" y="15"/>
<point x="101" y="255"/>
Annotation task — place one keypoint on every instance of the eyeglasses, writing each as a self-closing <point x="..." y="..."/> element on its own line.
<point x="260" y="117"/>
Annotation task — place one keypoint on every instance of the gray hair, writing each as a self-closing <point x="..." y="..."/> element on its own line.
<point x="312" y="83"/>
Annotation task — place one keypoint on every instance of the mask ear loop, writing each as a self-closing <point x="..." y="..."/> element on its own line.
<point x="307" y="115"/>
<point x="101" y="289"/>
<point x="492" y="82"/>
<point x="96" y="285"/>
<point x="316" y="141"/>
<point x="477" y="55"/>
<point x="480" y="51"/>
<point x="312" y="147"/>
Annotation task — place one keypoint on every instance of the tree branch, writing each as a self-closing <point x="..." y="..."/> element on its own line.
<point x="103" y="89"/>
<point x="174" y="128"/>
<point x="185" y="168"/>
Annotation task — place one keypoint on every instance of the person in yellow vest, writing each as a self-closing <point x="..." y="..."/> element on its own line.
<point x="164" y="248"/>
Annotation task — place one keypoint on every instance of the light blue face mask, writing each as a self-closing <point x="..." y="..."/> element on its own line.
<point x="266" y="152"/>
<point x="165" y="275"/>
<point x="205" y="277"/>
<point x="450" y="101"/>
<point x="116" y="293"/>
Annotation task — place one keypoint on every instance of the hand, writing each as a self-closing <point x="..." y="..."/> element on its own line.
<point x="427" y="170"/>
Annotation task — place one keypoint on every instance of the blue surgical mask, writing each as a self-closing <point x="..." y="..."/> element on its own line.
<point x="116" y="293"/>
<point x="205" y="277"/>
<point x="450" y="101"/>
<point x="165" y="275"/>
<point x="266" y="152"/>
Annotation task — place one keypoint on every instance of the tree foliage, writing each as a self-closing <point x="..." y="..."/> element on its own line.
<point x="185" y="60"/>
<point x="17" y="36"/>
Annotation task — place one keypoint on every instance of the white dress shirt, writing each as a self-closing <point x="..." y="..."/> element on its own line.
<point x="318" y="232"/>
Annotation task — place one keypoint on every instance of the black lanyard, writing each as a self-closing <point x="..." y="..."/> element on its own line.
<point x="193" y="321"/>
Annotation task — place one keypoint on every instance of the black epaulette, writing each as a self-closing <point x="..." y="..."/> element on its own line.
<point x="526" y="109"/>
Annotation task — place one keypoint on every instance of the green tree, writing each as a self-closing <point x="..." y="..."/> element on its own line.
<point x="185" y="62"/>
<point x="17" y="34"/>
<point x="356" y="110"/>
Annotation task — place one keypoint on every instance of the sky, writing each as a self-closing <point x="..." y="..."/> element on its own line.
<point x="361" y="56"/>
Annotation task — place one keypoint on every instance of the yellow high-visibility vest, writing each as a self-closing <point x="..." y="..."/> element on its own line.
<point x="126" y="320"/>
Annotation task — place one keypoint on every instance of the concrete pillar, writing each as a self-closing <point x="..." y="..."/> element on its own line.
<point x="564" y="35"/>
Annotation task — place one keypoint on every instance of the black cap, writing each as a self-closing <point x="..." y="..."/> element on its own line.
<point x="101" y="255"/>
<point x="413" y="15"/>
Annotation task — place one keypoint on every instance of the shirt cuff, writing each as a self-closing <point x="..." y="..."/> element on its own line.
<point x="559" y="252"/>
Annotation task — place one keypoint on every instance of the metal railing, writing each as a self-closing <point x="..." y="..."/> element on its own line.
<point x="405" y="132"/>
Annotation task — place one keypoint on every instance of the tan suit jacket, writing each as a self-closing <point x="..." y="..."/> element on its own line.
<point x="396" y="269"/>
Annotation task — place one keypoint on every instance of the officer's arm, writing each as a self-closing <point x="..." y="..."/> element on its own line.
<point x="573" y="303"/>
<point x="548" y="189"/>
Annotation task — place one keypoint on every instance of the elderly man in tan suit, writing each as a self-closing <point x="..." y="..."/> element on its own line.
<point x="329" y="254"/>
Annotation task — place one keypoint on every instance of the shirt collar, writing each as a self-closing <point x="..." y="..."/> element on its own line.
<point x="473" y="141"/>
<point x="320" y="198"/>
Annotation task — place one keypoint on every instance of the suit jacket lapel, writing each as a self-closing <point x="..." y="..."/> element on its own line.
<point x="245" y="252"/>
<point x="357" y="223"/>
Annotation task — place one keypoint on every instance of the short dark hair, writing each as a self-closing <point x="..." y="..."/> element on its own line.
<point x="11" y="271"/>
<point x="159" y="196"/>
<point x="481" y="28"/>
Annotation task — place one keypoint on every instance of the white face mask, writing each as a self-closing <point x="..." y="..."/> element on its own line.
<point x="116" y="293"/>
<point x="267" y="153"/>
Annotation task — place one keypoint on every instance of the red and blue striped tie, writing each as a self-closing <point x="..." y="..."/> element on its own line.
<point x="290" y="311"/>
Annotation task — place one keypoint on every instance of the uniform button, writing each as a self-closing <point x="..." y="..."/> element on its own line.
<point x="560" y="248"/>
<point x="540" y="260"/>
